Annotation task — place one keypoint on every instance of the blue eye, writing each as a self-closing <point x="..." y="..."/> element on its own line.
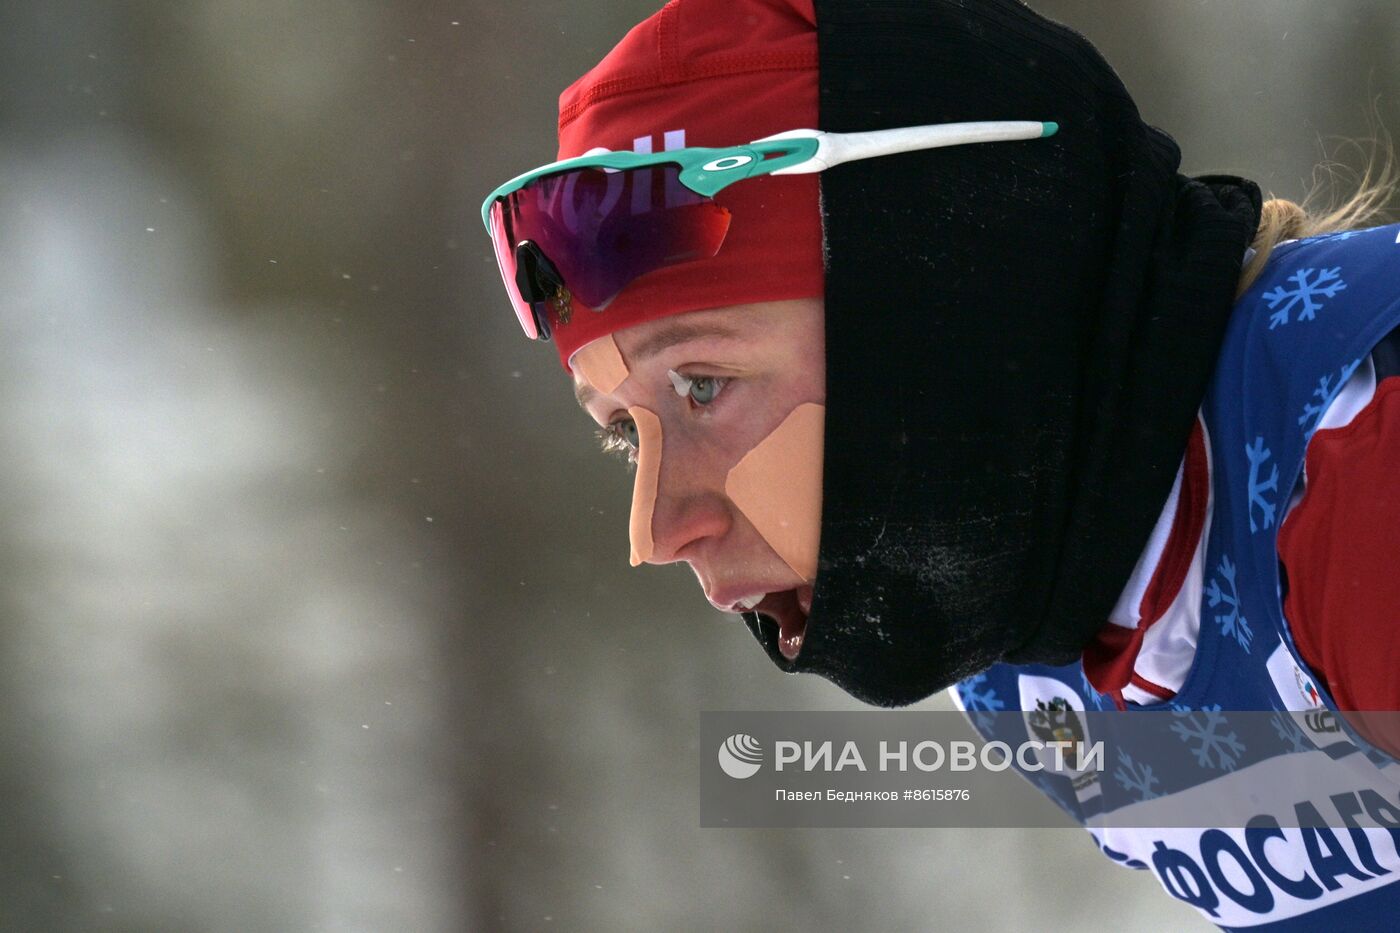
<point x="703" y="390"/>
<point x="697" y="390"/>
<point x="627" y="430"/>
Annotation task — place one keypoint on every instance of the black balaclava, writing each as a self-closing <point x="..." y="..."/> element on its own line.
<point x="1018" y="338"/>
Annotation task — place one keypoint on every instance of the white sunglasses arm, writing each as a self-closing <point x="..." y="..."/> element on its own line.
<point x="836" y="148"/>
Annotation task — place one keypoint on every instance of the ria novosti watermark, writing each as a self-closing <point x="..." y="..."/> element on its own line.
<point x="1051" y="766"/>
<point x="926" y="755"/>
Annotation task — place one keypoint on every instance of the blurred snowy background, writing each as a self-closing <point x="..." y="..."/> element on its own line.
<point x="317" y="613"/>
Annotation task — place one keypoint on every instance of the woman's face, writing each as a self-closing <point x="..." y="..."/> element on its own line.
<point x="719" y="382"/>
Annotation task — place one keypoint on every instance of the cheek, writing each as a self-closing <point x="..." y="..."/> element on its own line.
<point x="778" y="488"/>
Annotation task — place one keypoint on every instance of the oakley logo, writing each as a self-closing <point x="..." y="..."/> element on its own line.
<point x="727" y="163"/>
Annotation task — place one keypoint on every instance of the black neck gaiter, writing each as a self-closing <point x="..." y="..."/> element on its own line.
<point x="1018" y="338"/>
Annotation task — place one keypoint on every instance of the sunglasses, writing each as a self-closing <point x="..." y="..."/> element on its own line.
<point x="578" y="231"/>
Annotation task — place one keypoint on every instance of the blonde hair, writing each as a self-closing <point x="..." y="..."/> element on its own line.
<point x="1282" y="219"/>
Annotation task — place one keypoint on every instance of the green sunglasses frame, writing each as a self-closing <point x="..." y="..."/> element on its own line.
<point x="706" y="171"/>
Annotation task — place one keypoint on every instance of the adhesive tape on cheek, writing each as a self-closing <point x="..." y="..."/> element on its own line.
<point x="601" y="365"/>
<point x="778" y="487"/>
<point x="644" y="489"/>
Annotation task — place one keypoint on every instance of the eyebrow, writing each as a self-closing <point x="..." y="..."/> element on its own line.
<point x="678" y="332"/>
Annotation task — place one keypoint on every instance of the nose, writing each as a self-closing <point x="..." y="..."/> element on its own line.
<point x="681" y="520"/>
<point x="678" y="500"/>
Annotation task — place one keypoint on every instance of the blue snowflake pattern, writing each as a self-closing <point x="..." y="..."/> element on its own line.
<point x="1206" y="729"/>
<point x="1289" y="733"/>
<point x="1325" y="393"/>
<point x="1232" y="622"/>
<point x="979" y="700"/>
<point x="1090" y="694"/>
<point x="1135" y="778"/>
<point x="1327" y="283"/>
<point x="1257" y="454"/>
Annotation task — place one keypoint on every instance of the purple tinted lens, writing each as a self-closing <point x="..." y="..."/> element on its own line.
<point x="603" y="229"/>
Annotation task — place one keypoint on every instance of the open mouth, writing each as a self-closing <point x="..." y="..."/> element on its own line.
<point x="789" y="610"/>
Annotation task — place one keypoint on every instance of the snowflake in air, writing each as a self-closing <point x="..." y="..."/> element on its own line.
<point x="1135" y="778"/>
<point x="980" y="700"/>
<point x="1289" y="733"/>
<point x="1214" y="748"/>
<point x="1232" y="622"/>
<point x="1283" y="300"/>
<point x="1325" y="393"/>
<point x="1257" y="454"/>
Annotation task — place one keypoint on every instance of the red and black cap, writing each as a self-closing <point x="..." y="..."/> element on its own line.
<point x="680" y="79"/>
